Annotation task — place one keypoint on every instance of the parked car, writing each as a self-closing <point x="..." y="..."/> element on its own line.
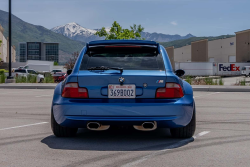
<point x="245" y="71"/>
<point x="123" y="82"/>
<point x="55" y="71"/>
<point x="26" y="72"/>
<point x="59" y="76"/>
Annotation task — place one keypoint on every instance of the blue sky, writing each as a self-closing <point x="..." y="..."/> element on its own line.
<point x="198" y="17"/>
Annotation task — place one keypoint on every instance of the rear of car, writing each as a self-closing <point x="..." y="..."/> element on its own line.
<point x="124" y="82"/>
<point x="59" y="76"/>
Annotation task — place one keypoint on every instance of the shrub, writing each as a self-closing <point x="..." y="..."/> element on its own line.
<point x="221" y="82"/>
<point x="21" y="79"/>
<point x="208" y="81"/>
<point x="189" y="80"/>
<point x="2" y="76"/>
<point x="48" y="79"/>
<point x="243" y="82"/>
<point x="31" y="78"/>
<point x="215" y="82"/>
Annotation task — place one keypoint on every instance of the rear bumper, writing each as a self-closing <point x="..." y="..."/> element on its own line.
<point x="167" y="113"/>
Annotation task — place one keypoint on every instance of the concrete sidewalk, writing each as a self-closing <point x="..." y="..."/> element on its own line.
<point x="207" y="88"/>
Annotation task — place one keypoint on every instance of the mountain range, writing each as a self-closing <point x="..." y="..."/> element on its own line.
<point x="26" y="32"/>
<point x="77" y="32"/>
<point x="72" y="37"/>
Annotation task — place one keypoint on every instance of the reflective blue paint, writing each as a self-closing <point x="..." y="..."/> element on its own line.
<point x="170" y="113"/>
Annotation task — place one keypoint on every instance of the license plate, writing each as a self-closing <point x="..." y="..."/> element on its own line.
<point x="121" y="91"/>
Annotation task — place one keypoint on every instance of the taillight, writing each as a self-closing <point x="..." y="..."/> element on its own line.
<point x="171" y="90"/>
<point x="71" y="90"/>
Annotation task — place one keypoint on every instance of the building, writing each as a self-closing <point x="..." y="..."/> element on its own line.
<point x="170" y="51"/>
<point x="243" y="46"/>
<point x="4" y="48"/>
<point x="227" y="50"/>
<point x="222" y="50"/>
<point x="199" y="51"/>
<point x="38" y="51"/>
<point x="182" y="54"/>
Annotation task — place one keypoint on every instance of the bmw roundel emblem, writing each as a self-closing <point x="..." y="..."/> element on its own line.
<point x="121" y="80"/>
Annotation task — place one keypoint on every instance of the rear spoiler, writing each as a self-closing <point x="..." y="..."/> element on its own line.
<point x="122" y="44"/>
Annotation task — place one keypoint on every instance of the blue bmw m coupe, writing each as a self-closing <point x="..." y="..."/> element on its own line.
<point x="123" y="83"/>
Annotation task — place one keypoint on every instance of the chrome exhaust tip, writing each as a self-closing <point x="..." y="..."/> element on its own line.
<point x="97" y="126"/>
<point x="146" y="126"/>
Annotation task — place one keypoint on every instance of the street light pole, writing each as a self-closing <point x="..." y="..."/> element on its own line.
<point x="10" y="77"/>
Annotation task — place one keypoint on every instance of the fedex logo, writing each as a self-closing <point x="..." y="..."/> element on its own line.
<point x="231" y="67"/>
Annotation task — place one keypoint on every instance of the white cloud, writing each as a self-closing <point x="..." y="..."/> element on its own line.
<point x="174" y="23"/>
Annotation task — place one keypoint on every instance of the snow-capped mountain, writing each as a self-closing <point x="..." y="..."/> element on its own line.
<point x="76" y="32"/>
<point x="79" y="33"/>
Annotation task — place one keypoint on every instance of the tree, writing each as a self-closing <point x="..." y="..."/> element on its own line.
<point x="56" y="63"/>
<point x="71" y="63"/>
<point x="117" y="32"/>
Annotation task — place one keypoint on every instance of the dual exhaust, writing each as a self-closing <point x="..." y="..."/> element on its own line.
<point x="145" y="126"/>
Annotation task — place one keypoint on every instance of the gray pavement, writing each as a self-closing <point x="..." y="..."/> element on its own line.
<point x="229" y="81"/>
<point x="222" y="137"/>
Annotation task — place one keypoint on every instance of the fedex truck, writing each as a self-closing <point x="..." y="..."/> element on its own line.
<point x="230" y="69"/>
<point x="211" y="69"/>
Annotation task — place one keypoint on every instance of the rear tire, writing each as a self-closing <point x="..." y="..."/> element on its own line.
<point x="60" y="131"/>
<point x="186" y="131"/>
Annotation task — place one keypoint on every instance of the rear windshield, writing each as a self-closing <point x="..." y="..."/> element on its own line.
<point x="128" y="59"/>
<point x="20" y="71"/>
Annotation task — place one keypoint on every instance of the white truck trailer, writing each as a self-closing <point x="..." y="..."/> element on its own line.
<point x="211" y="69"/>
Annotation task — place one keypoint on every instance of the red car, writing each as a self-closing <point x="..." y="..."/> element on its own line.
<point x="59" y="76"/>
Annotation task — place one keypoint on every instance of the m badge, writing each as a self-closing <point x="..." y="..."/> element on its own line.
<point x="159" y="81"/>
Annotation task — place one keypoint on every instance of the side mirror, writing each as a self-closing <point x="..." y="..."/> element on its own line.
<point x="69" y="72"/>
<point x="179" y="72"/>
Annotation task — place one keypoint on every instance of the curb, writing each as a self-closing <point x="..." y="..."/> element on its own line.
<point x="195" y="87"/>
<point x="222" y="88"/>
<point x="22" y="86"/>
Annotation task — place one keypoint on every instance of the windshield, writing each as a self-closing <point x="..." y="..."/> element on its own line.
<point x="31" y="72"/>
<point x="123" y="59"/>
<point x="20" y="71"/>
<point x="243" y="68"/>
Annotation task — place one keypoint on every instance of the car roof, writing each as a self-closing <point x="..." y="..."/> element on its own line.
<point x="112" y="42"/>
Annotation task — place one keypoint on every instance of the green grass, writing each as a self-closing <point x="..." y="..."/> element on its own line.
<point x="21" y="79"/>
<point x="215" y="82"/>
<point x="189" y="80"/>
<point x="221" y="82"/>
<point x="31" y="78"/>
<point x="208" y="81"/>
<point x="243" y="82"/>
<point x="48" y="79"/>
<point x="2" y="76"/>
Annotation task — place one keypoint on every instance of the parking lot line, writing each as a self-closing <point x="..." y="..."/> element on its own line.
<point x="207" y="94"/>
<point x="24" y="126"/>
<point x="176" y="145"/>
<point x="43" y="95"/>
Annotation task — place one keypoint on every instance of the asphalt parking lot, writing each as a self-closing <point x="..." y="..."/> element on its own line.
<point x="222" y="136"/>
